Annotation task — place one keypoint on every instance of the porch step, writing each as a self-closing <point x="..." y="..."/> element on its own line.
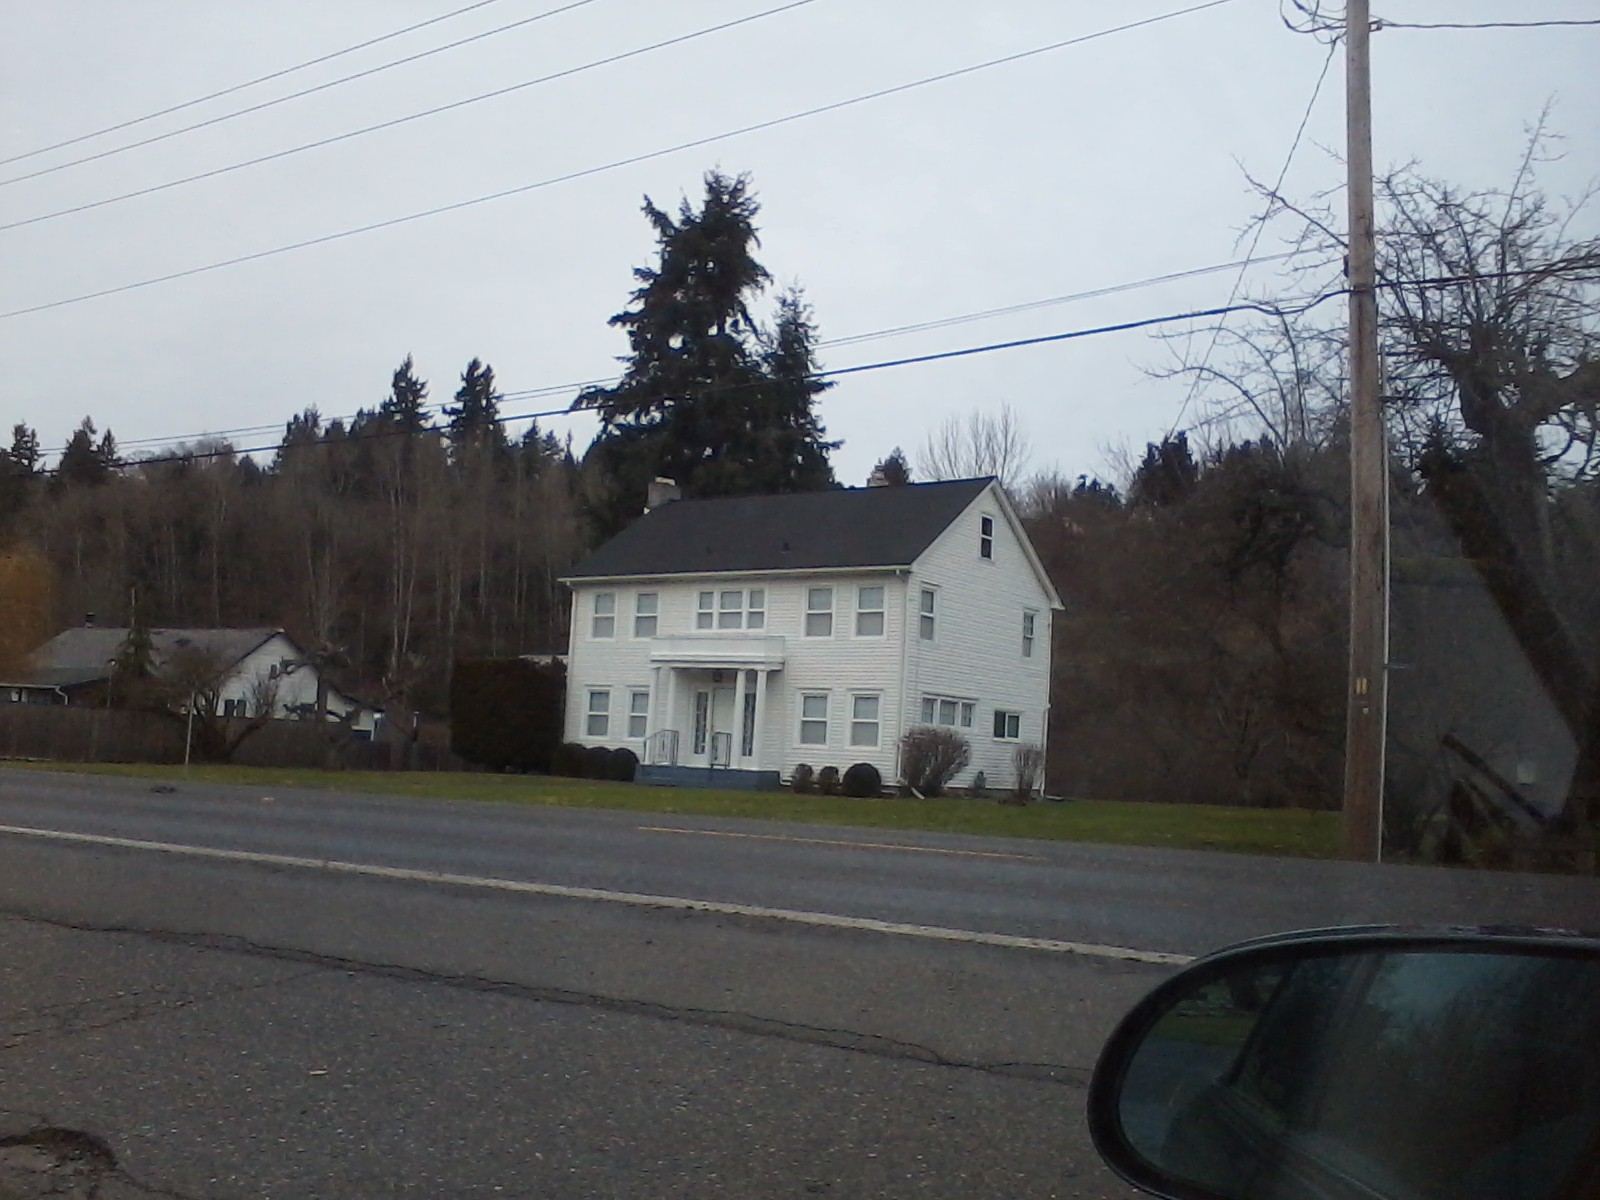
<point x="708" y="777"/>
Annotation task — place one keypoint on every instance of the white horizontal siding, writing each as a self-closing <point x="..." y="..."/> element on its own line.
<point x="976" y="653"/>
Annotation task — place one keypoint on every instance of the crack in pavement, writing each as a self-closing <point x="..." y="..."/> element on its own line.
<point x="876" y="1045"/>
<point x="101" y="1012"/>
<point x="51" y="1160"/>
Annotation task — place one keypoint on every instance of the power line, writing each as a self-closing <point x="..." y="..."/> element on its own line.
<point x="239" y="87"/>
<point x="1291" y="306"/>
<point x="1385" y="23"/>
<point x="847" y="340"/>
<point x="1261" y="225"/>
<point x="217" y="120"/>
<point x="938" y="356"/>
<point x="611" y="166"/>
<point x="416" y="116"/>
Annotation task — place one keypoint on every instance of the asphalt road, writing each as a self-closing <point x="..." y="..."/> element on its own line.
<point x="276" y="994"/>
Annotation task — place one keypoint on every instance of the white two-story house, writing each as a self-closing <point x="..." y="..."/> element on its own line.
<point x="751" y="634"/>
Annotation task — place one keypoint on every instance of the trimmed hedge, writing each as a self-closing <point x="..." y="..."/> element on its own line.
<point x="862" y="781"/>
<point x="505" y="713"/>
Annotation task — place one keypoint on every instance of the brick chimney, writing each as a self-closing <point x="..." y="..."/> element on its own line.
<point x="661" y="491"/>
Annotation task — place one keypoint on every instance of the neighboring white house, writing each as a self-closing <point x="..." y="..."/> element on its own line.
<point x="74" y="666"/>
<point x="756" y="633"/>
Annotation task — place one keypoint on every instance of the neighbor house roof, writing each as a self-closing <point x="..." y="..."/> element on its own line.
<point x="84" y="655"/>
<point x="843" y="527"/>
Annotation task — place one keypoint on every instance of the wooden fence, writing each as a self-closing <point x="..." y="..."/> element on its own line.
<point x="62" y="734"/>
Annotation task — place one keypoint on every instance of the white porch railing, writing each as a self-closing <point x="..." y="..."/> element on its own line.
<point x="662" y="748"/>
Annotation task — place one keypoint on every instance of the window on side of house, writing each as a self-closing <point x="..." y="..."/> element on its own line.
<point x="638" y="712"/>
<point x="1007" y="725"/>
<point x="869" y="611"/>
<point x="604" y="622"/>
<point x="925" y="613"/>
<point x="598" y="723"/>
<point x="864" y="720"/>
<point x="730" y="609"/>
<point x="814" y="718"/>
<point x="755" y="610"/>
<point x="646" y="606"/>
<point x="1029" y="622"/>
<point x="705" y="611"/>
<point x="819" y="612"/>
<point x="986" y="537"/>
<point x="948" y="710"/>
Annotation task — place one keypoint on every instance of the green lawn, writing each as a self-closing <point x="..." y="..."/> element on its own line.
<point x="1192" y="827"/>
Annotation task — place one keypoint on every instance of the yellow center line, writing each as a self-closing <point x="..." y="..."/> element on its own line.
<point x="783" y="837"/>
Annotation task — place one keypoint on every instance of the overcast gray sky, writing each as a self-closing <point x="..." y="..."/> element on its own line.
<point x="1091" y="165"/>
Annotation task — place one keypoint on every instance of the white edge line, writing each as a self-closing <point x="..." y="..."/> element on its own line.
<point x="642" y="899"/>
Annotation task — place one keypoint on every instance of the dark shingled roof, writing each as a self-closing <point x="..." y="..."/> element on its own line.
<point x="84" y="654"/>
<point x="845" y="527"/>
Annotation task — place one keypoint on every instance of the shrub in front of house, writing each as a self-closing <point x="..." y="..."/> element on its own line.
<point x="931" y="756"/>
<point x="596" y="762"/>
<point x="505" y="713"/>
<point x="979" y="787"/>
<point x="624" y="765"/>
<point x="862" y="780"/>
<point x="828" y="781"/>
<point x="567" y="760"/>
<point x="804" y="779"/>
<point x="1027" y="760"/>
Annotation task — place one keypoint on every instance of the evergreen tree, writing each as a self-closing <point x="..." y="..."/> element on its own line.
<point x="1167" y="475"/>
<point x="86" y="461"/>
<point x="893" y="471"/>
<point x="707" y="398"/>
<point x="475" y="417"/>
<point x="406" y="405"/>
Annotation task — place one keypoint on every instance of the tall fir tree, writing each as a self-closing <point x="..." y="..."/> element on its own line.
<point x="707" y="398"/>
<point x="474" y="425"/>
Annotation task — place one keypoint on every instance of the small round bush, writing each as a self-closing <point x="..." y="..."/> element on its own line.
<point x="624" y="765"/>
<point x="804" y="779"/>
<point x="862" y="780"/>
<point x="567" y="760"/>
<point x="596" y="762"/>
<point x="828" y="781"/>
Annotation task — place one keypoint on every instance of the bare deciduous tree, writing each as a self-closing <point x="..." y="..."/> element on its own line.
<point x="984" y="443"/>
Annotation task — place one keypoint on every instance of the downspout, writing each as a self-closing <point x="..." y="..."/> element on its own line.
<point x="906" y="632"/>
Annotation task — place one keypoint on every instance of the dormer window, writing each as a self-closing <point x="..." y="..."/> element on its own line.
<point x="986" y="537"/>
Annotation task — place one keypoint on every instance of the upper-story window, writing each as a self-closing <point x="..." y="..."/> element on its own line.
<point x="869" y="611"/>
<point x="985" y="537"/>
<point x="819" y="612"/>
<point x="604" y="622"/>
<point x="925" y="613"/>
<point x="731" y="608"/>
<point x="646" y="605"/>
<point x="1029" y="621"/>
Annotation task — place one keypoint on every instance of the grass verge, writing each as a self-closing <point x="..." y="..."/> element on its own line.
<point x="1291" y="832"/>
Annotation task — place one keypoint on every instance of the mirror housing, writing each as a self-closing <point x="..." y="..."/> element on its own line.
<point x="1367" y="1064"/>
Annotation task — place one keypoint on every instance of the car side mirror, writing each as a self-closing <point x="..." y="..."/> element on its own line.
<point x="1362" y="1065"/>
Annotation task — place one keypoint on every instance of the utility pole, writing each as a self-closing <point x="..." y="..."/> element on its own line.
<point x="1366" y="718"/>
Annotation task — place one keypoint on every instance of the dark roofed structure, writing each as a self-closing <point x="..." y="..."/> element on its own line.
<point x="84" y="655"/>
<point x="800" y="531"/>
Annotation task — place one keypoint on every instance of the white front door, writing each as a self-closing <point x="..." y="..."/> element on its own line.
<point x="713" y="737"/>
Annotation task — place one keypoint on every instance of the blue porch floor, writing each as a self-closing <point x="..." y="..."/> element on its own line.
<point x="708" y="777"/>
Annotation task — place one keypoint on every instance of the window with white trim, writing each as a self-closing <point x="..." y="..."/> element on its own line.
<point x="638" y="712"/>
<point x="1029" y="622"/>
<point x="604" y="622"/>
<point x="925" y="613"/>
<point x="947" y="710"/>
<point x="819" y="612"/>
<point x="731" y="608"/>
<point x="814" y="718"/>
<point x="864" y="719"/>
<point x="986" y="537"/>
<point x="1007" y="725"/>
<point x="869" y="611"/>
<point x="598" y="722"/>
<point x="646" y="607"/>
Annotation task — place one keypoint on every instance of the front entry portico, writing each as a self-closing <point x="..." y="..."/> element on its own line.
<point x="708" y="706"/>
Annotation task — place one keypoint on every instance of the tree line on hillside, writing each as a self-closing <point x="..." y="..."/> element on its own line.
<point x="1201" y="654"/>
